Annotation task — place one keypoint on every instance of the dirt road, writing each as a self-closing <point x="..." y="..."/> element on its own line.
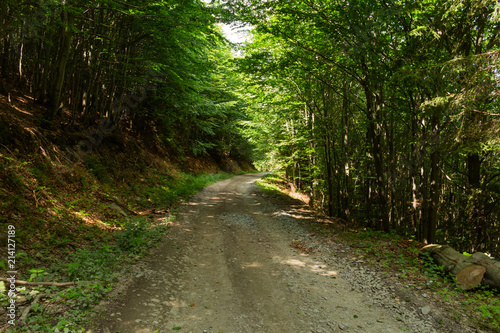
<point x="228" y="267"/>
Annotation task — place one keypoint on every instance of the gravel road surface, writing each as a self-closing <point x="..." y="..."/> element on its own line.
<point x="227" y="266"/>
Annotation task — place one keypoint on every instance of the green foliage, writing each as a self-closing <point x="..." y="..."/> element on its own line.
<point x="91" y="264"/>
<point x="490" y="312"/>
<point x="97" y="168"/>
<point x="36" y="274"/>
<point x="175" y="82"/>
<point x="137" y="237"/>
<point x="80" y="299"/>
<point x="373" y="109"/>
<point x="432" y="269"/>
<point x="269" y="185"/>
<point x="83" y="296"/>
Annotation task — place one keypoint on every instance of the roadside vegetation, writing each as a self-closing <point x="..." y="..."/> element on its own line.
<point x="401" y="258"/>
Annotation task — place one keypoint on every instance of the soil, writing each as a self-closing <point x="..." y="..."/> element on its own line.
<point x="240" y="261"/>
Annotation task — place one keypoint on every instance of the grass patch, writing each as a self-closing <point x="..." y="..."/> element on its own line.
<point x="164" y="190"/>
<point x="271" y="184"/>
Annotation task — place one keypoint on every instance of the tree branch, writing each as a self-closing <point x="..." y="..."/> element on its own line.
<point x="57" y="284"/>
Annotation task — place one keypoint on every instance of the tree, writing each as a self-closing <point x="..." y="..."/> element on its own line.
<point x="395" y="95"/>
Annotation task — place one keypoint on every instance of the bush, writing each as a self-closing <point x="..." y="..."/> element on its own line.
<point x="136" y="237"/>
<point x="91" y="265"/>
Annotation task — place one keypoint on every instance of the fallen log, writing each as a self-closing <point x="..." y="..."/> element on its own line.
<point x="470" y="271"/>
<point x="471" y="276"/>
<point x="492" y="276"/>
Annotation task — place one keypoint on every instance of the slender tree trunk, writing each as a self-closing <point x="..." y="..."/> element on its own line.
<point x="6" y="56"/>
<point x="329" y="173"/>
<point x="344" y="132"/>
<point x="431" y="208"/>
<point x="60" y="65"/>
<point x="20" y="62"/>
<point x="374" y="138"/>
<point x="434" y="196"/>
<point x="474" y="169"/>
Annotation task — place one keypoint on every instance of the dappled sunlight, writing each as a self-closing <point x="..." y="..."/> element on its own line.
<point x="318" y="268"/>
<point x="91" y="221"/>
<point x="296" y="214"/>
<point x="176" y="304"/>
<point x="166" y="220"/>
<point x="294" y="262"/>
<point x="329" y="273"/>
<point x="252" y="265"/>
<point x="141" y="330"/>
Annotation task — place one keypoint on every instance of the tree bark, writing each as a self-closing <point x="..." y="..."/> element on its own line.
<point x="470" y="271"/>
<point x="60" y="65"/>
<point x="374" y="138"/>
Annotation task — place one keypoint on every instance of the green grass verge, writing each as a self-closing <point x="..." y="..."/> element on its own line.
<point x="270" y="185"/>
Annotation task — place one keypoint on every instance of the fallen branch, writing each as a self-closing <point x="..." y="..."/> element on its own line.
<point x="24" y="315"/>
<point x="57" y="284"/>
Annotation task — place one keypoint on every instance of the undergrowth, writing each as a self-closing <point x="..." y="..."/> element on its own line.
<point x="94" y="269"/>
<point x="90" y="232"/>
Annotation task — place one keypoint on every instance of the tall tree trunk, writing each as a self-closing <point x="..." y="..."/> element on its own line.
<point x="431" y="207"/>
<point x="373" y="103"/>
<point x="474" y="170"/>
<point x="416" y="204"/>
<point x="344" y="141"/>
<point x="60" y="65"/>
<point x="431" y="215"/>
<point x="6" y="56"/>
<point x="329" y="173"/>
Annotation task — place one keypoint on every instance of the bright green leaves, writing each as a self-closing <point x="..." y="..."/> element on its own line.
<point x="364" y="104"/>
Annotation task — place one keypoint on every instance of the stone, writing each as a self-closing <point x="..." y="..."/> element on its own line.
<point x="426" y="310"/>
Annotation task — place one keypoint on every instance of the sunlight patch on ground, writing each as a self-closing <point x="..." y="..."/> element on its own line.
<point x="252" y="265"/>
<point x="294" y="262"/>
<point x="316" y="268"/>
<point x="91" y="221"/>
<point x="175" y="304"/>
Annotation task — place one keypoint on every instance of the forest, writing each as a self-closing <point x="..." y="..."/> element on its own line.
<point x="382" y="115"/>
<point x="385" y="113"/>
<point x="161" y="70"/>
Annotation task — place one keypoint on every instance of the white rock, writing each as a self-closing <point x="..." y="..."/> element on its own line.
<point x="426" y="310"/>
